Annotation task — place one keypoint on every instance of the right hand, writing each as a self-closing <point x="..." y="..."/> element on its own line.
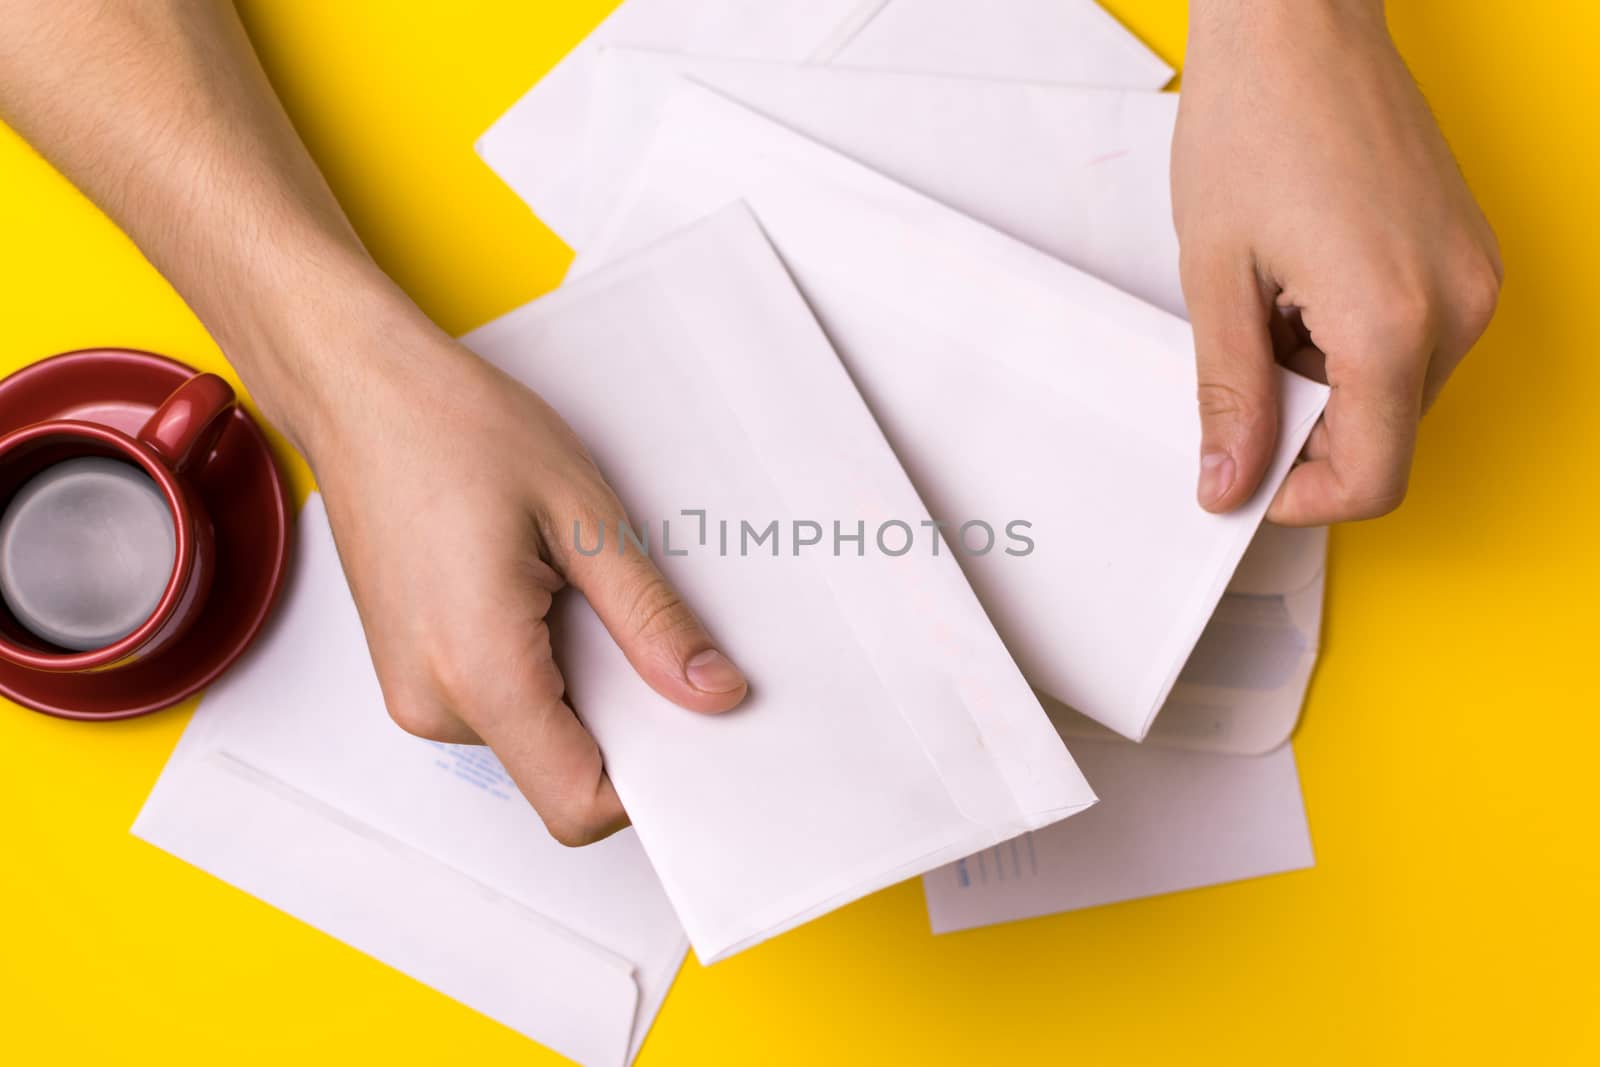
<point x="452" y="491"/>
<point x="1323" y="224"/>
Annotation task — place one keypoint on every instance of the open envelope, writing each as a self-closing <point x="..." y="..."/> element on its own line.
<point x="536" y="146"/>
<point x="1243" y="687"/>
<point x="1012" y="387"/>
<point x="1168" y="820"/>
<point x="292" y="784"/>
<point x="887" y="731"/>
<point x="1171" y="819"/>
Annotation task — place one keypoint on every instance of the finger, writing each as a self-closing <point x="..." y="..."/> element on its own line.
<point x="1477" y="299"/>
<point x="1317" y="446"/>
<point x="655" y="629"/>
<point x="1362" y="461"/>
<point x="1238" y="387"/>
<point x="432" y="722"/>
<point x="416" y="711"/>
<point x="557" y="766"/>
<point x="1308" y="361"/>
<point x="519" y="708"/>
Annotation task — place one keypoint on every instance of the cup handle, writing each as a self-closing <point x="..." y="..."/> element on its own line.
<point x="185" y="428"/>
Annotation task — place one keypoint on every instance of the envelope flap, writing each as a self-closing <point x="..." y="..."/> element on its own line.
<point x="1073" y="42"/>
<point x="287" y="848"/>
<point x="1281" y="560"/>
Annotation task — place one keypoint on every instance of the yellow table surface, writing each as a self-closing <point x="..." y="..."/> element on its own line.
<point x="1448" y="752"/>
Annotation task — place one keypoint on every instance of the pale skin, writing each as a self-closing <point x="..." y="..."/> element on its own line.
<point x="1323" y="222"/>
<point x="1356" y="254"/>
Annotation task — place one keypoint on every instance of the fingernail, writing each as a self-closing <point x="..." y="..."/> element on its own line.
<point x="712" y="672"/>
<point x="1216" y="477"/>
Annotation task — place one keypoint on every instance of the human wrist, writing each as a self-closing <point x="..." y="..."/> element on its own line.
<point x="307" y="340"/>
<point x="1229" y="24"/>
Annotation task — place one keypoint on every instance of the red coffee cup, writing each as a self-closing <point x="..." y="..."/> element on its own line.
<point x="175" y="442"/>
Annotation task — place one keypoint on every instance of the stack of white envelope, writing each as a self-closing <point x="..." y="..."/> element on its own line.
<point x="875" y="327"/>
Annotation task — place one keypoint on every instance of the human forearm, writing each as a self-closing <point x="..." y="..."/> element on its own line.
<point x="179" y="137"/>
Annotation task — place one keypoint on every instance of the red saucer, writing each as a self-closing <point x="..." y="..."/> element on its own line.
<point x="249" y="507"/>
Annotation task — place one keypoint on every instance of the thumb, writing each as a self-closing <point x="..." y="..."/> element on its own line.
<point x="655" y="629"/>
<point x="1238" y="381"/>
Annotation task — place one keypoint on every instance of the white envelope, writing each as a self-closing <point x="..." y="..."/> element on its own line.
<point x="1171" y="819"/>
<point x="536" y="146"/>
<point x="1168" y="820"/>
<point x="888" y="731"/>
<point x="1013" y="388"/>
<point x="1082" y="174"/>
<point x="292" y="784"/>
<point x="1069" y="42"/>
<point x="1244" y="686"/>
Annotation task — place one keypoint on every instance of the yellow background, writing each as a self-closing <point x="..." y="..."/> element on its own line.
<point x="1448" y="754"/>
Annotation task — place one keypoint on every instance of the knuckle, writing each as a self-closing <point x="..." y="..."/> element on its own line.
<point x="658" y="612"/>
<point x="1240" y="338"/>
<point x="1478" y="295"/>
<point x="1373" y="501"/>
<point x="573" y="828"/>
<point x="567" y="832"/>
<point x="1222" y="400"/>
<point x="1402" y="317"/>
<point x="574" y="523"/>
<point x="422" y="718"/>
